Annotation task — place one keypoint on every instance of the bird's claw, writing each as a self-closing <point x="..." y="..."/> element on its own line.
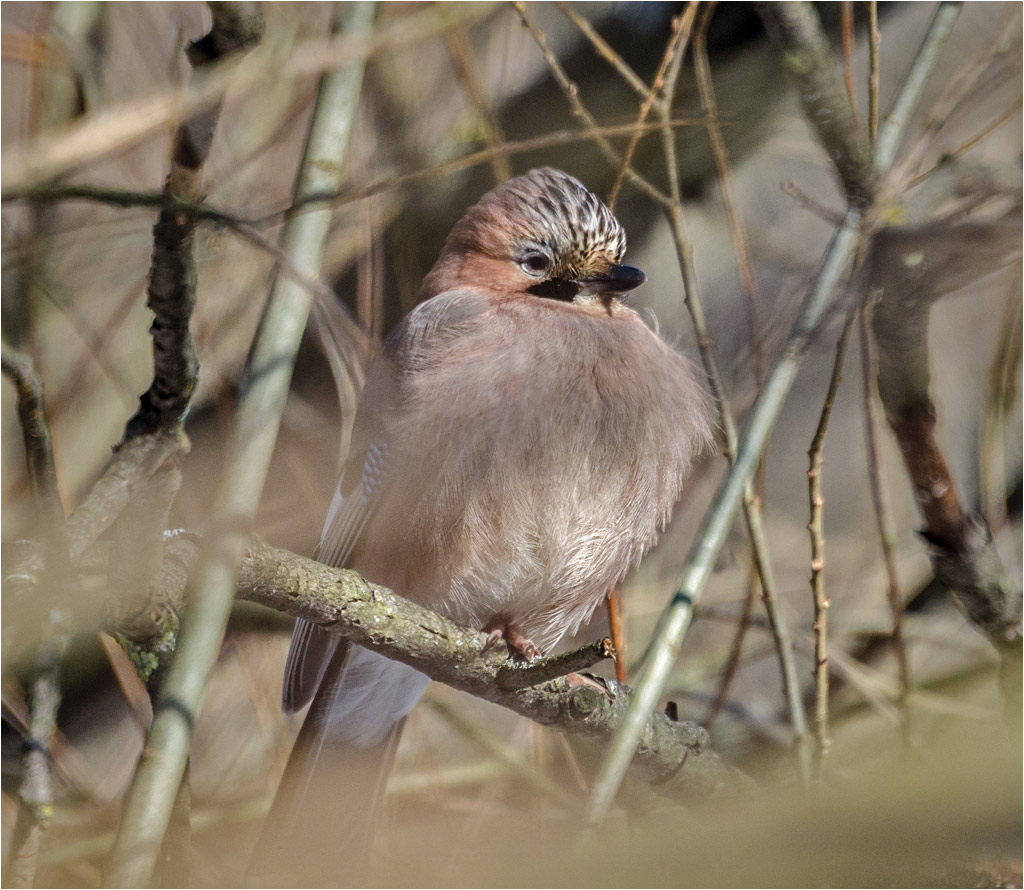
<point x="515" y="641"/>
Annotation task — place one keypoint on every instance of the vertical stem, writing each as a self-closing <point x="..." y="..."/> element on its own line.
<point x="847" y="27"/>
<point x="816" y="527"/>
<point x="711" y="535"/>
<point x="884" y="519"/>
<point x="149" y="801"/>
<point x="735" y="649"/>
<point x="751" y="502"/>
<point x="874" y="44"/>
<point x="35" y="795"/>
<point x="681" y="27"/>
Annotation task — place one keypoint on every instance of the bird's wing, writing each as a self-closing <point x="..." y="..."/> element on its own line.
<point x="358" y="491"/>
<point x="365" y="475"/>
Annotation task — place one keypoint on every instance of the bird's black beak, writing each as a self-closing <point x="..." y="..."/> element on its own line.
<point x="617" y="280"/>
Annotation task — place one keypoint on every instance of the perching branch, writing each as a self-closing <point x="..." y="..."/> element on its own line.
<point x="370" y="615"/>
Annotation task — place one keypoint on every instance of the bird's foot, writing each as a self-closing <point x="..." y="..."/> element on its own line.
<point x="515" y="641"/>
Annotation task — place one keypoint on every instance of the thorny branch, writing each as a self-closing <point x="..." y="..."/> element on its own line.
<point x="816" y="528"/>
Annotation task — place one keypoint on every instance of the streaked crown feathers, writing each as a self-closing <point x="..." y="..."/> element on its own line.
<point x="548" y="209"/>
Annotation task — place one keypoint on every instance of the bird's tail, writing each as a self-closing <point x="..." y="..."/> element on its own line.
<point x="322" y="822"/>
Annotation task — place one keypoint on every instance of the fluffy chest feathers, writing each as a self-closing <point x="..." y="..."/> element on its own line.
<point x="535" y="455"/>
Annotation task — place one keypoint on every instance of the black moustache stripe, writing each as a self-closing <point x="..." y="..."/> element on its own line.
<point x="556" y="289"/>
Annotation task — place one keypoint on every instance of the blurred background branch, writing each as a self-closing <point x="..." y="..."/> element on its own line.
<point x="453" y="97"/>
<point x="150" y="799"/>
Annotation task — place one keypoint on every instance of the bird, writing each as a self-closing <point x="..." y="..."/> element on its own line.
<point x="520" y="440"/>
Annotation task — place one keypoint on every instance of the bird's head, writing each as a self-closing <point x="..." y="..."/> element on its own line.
<point x="544" y="234"/>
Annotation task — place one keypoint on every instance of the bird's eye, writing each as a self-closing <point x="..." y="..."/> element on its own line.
<point x="535" y="264"/>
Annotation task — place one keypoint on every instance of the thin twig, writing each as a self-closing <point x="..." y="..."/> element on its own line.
<point x="681" y="27"/>
<point x="816" y="527"/>
<point x="874" y="61"/>
<point x="711" y="535"/>
<point x="709" y="105"/>
<point x="151" y="796"/>
<point x="964" y="147"/>
<point x="461" y="54"/>
<point x="42" y="474"/>
<point x="605" y="51"/>
<point x="751" y="503"/>
<point x="732" y="664"/>
<point x="47" y="193"/>
<point x="516" y="675"/>
<point x="579" y="110"/>
<point x="503" y="753"/>
<point x="35" y="794"/>
<point x="98" y="135"/>
<point x="811" y="204"/>
<point x="883" y="518"/>
<point x="846" y="25"/>
<point x="956" y="93"/>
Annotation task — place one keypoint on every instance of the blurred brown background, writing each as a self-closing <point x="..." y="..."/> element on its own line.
<point x="73" y="297"/>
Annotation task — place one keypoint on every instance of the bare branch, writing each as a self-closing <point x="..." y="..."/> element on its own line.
<point x="343" y="602"/>
<point x="712" y="532"/>
<point x="35" y="794"/>
<point x="910" y="270"/>
<point x="151" y="796"/>
<point x="816" y="527"/>
<point x="809" y="62"/>
<point x="172" y="274"/>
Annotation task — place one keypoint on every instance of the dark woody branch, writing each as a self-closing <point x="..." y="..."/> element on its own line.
<point x="673" y="754"/>
<point x="172" y="276"/>
<point x="910" y="269"/>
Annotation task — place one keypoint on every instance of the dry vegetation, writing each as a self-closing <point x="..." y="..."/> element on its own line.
<point x="863" y="729"/>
